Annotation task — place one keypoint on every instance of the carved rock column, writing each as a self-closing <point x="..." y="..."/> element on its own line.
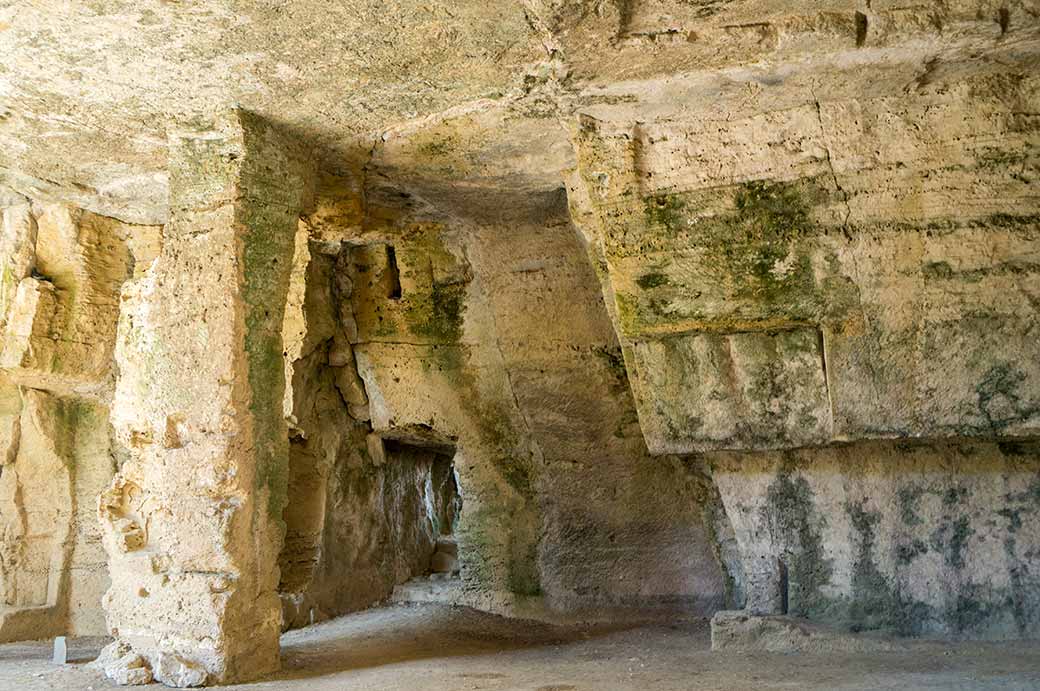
<point x="192" y="520"/>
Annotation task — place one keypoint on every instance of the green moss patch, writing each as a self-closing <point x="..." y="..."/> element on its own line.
<point x="652" y="280"/>
<point x="267" y="248"/>
<point x="439" y="314"/>
<point x="752" y="264"/>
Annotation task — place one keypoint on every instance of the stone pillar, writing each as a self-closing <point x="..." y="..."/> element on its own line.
<point x="192" y="520"/>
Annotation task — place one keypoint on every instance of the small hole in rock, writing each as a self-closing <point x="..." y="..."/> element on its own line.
<point x="861" y="29"/>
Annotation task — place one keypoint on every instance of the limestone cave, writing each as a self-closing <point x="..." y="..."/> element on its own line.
<point x="520" y="344"/>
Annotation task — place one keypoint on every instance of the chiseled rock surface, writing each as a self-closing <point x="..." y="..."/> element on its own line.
<point x="824" y="264"/>
<point x="498" y="339"/>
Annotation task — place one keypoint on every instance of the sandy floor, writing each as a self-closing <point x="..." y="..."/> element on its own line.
<point x="416" y="647"/>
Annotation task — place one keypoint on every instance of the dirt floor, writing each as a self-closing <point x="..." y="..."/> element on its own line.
<point x="429" y="646"/>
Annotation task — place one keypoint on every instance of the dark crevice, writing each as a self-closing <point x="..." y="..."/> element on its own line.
<point x="861" y="29"/>
<point x="1004" y="19"/>
<point x="393" y="274"/>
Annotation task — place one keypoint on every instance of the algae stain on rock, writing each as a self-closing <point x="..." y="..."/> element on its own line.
<point x="793" y="519"/>
<point x="876" y="603"/>
<point x="961" y="531"/>
<point x="772" y="211"/>
<point x="441" y="317"/>
<point x="652" y="280"/>
<point x="665" y="211"/>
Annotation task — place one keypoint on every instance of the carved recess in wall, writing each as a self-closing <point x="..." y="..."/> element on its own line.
<point x="807" y="272"/>
<point x="61" y="269"/>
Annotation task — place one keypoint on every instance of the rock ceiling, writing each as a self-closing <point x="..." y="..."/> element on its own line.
<point x="439" y="95"/>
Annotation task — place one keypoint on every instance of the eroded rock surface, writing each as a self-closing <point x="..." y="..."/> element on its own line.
<point x="845" y="268"/>
<point x="62" y="269"/>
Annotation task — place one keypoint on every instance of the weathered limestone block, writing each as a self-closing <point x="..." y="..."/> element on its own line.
<point x="10" y="422"/>
<point x="747" y="389"/>
<point x="192" y="521"/>
<point x="350" y="386"/>
<point x="340" y="352"/>
<point x="413" y="284"/>
<point x="902" y="229"/>
<point x="175" y="671"/>
<point x="935" y="539"/>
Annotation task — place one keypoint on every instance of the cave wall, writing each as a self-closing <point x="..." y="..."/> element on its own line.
<point x="62" y="270"/>
<point x="711" y="304"/>
<point x="800" y="261"/>
<point x="429" y="362"/>
<point x="491" y="334"/>
<point x="622" y="533"/>
<point x="527" y="455"/>
<point x="918" y="539"/>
